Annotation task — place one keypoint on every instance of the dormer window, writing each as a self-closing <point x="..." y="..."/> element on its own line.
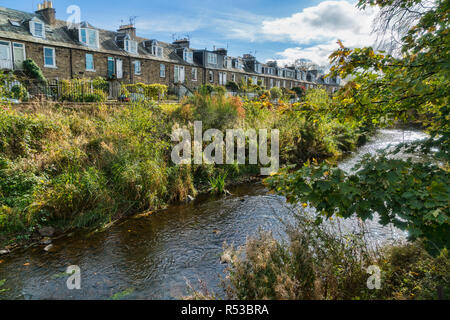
<point x="89" y="37"/>
<point x="157" y="50"/>
<point x="37" y="28"/>
<point x="238" y="64"/>
<point x="130" y="46"/>
<point x="188" y="56"/>
<point x="212" y="58"/>
<point x="228" y="63"/>
<point x="258" y="67"/>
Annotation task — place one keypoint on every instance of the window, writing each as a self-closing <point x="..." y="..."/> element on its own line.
<point x="89" y="62"/>
<point x="130" y="46"/>
<point x="211" y="76"/>
<point x="157" y="50"/>
<point x="19" y="55"/>
<point x="212" y="58"/>
<point x="255" y="80"/>
<point x="194" y="74"/>
<point x="37" y="29"/>
<point x="258" y="68"/>
<point x="137" y="67"/>
<point x="188" y="56"/>
<point x="233" y="77"/>
<point x="228" y="63"/>
<point x="162" y="70"/>
<point x="14" y="23"/>
<point x="89" y="37"/>
<point x="271" y="83"/>
<point x="49" y="57"/>
<point x="5" y="55"/>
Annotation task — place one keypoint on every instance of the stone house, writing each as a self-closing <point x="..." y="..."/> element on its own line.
<point x="85" y="51"/>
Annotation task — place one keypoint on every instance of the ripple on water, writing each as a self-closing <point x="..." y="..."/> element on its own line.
<point x="155" y="255"/>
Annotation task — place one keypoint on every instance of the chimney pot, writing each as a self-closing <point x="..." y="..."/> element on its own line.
<point x="47" y="11"/>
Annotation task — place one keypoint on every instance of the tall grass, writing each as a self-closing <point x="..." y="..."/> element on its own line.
<point x="84" y="166"/>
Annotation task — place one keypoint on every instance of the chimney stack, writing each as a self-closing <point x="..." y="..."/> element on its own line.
<point x="129" y="29"/>
<point x="182" y="43"/>
<point x="47" y="11"/>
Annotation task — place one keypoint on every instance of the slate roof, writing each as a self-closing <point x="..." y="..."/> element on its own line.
<point x="60" y="35"/>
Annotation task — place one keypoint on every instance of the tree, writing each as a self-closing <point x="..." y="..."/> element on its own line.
<point x="413" y="195"/>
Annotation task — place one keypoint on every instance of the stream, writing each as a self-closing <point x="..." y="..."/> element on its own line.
<point x="152" y="257"/>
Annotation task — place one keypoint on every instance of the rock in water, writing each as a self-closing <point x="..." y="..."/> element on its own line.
<point x="49" y="248"/>
<point x="47" y="232"/>
<point x="190" y="198"/>
<point x="3" y="252"/>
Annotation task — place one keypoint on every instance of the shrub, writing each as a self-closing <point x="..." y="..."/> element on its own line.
<point x="19" y="92"/>
<point x="148" y="91"/>
<point x="232" y="86"/>
<point x="276" y="93"/>
<point x="33" y="71"/>
<point x="206" y="89"/>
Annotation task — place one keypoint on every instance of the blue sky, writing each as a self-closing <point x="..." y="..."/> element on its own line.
<point x="283" y="30"/>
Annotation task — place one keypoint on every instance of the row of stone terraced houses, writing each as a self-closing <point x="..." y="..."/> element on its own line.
<point x="89" y="52"/>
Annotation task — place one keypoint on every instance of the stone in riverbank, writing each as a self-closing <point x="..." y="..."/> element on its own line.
<point x="47" y="232"/>
<point x="4" y="252"/>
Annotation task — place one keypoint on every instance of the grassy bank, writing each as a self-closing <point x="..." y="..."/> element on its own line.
<point x="81" y="167"/>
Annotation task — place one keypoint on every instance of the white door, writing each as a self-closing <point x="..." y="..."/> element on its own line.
<point x="19" y="55"/>
<point x="5" y="55"/>
<point x="182" y="75"/>
<point x="119" y="65"/>
<point x="222" y="78"/>
<point x="179" y="75"/>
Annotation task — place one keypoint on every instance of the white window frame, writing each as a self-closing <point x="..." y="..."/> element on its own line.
<point x="188" y="56"/>
<point x="88" y="37"/>
<point x="233" y="77"/>
<point x="33" y="29"/>
<point x="162" y="70"/>
<point x="93" y="62"/>
<point x="130" y="46"/>
<point x="258" y="67"/>
<point x="211" y="76"/>
<point x="157" y="51"/>
<point x="54" y="58"/>
<point x="135" y="64"/>
<point x="194" y="73"/>
<point x="212" y="58"/>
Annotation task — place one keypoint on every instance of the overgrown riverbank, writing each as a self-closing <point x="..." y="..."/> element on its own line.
<point x="84" y="167"/>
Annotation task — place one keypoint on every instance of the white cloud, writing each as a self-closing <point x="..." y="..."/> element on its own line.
<point x="317" y="29"/>
<point x="166" y="24"/>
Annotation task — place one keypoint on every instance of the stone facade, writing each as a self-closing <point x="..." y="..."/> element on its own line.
<point x="70" y="54"/>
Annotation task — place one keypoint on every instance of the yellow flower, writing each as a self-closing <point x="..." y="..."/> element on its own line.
<point x="305" y="205"/>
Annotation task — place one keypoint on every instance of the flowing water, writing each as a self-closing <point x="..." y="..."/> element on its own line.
<point x="152" y="257"/>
